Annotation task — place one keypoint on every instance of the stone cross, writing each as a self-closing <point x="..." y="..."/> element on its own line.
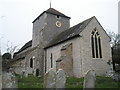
<point x="60" y="79"/>
<point x="89" y="80"/>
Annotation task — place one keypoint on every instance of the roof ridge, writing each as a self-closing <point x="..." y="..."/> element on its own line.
<point x="56" y="12"/>
<point x="52" y="11"/>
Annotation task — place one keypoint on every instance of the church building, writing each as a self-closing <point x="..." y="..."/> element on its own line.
<point x="54" y="44"/>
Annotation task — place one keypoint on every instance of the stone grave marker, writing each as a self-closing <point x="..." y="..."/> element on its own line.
<point x="60" y="79"/>
<point x="89" y="80"/>
<point x="24" y="73"/>
<point x="50" y="79"/>
<point x="9" y="80"/>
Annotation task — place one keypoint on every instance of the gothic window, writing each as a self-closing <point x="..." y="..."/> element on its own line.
<point x="96" y="44"/>
<point x="31" y="63"/>
<point x="51" y="57"/>
<point x="100" y="52"/>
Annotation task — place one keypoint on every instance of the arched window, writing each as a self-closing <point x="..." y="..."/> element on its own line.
<point x="31" y="63"/>
<point x="96" y="44"/>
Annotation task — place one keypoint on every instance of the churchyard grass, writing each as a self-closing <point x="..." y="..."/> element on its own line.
<point x="106" y="82"/>
<point x="30" y="82"/>
<point x="71" y="82"/>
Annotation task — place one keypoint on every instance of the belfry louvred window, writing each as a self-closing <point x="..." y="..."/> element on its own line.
<point x="96" y="44"/>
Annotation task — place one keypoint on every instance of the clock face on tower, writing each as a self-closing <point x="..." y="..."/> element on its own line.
<point x="58" y="23"/>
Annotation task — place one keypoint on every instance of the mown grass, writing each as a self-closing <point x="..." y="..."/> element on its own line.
<point x="71" y="82"/>
<point x="30" y="82"/>
<point x="106" y="82"/>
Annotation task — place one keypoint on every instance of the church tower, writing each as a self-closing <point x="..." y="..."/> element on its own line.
<point x="47" y="25"/>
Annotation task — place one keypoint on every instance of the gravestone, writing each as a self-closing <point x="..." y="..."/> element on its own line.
<point x="24" y="73"/>
<point x="89" y="80"/>
<point x="9" y="80"/>
<point x="50" y="79"/>
<point x="55" y="80"/>
<point x="60" y="79"/>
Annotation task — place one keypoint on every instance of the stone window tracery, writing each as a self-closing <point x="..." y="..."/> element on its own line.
<point x="96" y="44"/>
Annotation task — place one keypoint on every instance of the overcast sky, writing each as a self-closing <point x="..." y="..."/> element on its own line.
<point x="16" y="16"/>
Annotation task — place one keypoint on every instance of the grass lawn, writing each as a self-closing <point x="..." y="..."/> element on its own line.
<point x="71" y="82"/>
<point x="106" y="82"/>
<point x="30" y="82"/>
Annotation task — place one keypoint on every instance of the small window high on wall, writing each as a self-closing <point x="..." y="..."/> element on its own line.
<point x="96" y="44"/>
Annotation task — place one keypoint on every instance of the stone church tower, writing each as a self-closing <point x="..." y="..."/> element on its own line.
<point x="45" y="27"/>
<point x="48" y="25"/>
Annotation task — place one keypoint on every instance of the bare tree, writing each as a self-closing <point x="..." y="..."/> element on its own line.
<point x="115" y="39"/>
<point x="115" y="43"/>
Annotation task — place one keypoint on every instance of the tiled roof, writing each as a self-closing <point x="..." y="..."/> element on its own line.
<point x="69" y="33"/>
<point x="52" y="11"/>
<point x="27" y="45"/>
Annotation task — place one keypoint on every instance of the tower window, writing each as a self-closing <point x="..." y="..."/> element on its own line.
<point x="57" y="17"/>
<point x="96" y="44"/>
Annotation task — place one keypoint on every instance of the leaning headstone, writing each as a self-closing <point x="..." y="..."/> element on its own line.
<point x="89" y="80"/>
<point x="50" y="79"/>
<point x="60" y="79"/>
